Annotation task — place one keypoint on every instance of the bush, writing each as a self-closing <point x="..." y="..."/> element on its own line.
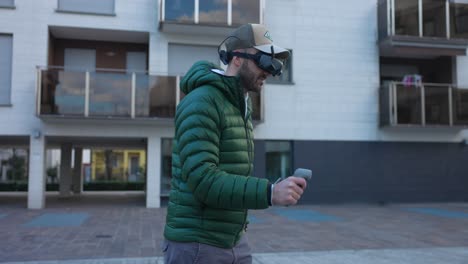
<point x="8" y="187"/>
<point x="52" y="187"/>
<point x="13" y="187"/>
<point x="114" y="186"/>
<point x="90" y="186"/>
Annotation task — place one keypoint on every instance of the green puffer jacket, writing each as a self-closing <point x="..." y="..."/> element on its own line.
<point x="211" y="162"/>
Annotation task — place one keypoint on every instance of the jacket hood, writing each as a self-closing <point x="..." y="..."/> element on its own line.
<point x="201" y="74"/>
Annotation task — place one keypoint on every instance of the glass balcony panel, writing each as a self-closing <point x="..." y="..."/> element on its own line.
<point x="408" y="104"/>
<point x="434" y="18"/>
<point x="406" y="17"/>
<point x="110" y="94"/>
<point x="460" y="107"/>
<point x="181" y="11"/>
<point x="245" y="11"/>
<point x="459" y="19"/>
<point x="437" y="105"/>
<point x="63" y="92"/>
<point x="49" y="81"/>
<point x="142" y="99"/>
<point x="213" y="12"/>
<point x="162" y="96"/>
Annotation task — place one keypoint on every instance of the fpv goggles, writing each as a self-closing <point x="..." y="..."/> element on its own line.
<point x="264" y="61"/>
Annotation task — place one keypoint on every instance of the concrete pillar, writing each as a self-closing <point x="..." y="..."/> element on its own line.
<point x="65" y="169"/>
<point x="37" y="175"/>
<point x="3" y="173"/>
<point x="153" y="173"/>
<point x="77" y="171"/>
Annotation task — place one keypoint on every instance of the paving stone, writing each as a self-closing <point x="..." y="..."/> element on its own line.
<point x="122" y="228"/>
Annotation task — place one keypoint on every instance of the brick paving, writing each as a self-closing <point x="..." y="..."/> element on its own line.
<point x="121" y="227"/>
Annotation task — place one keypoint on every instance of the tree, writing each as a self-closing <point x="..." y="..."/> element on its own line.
<point x="52" y="173"/>
<point x="17" y="167"/>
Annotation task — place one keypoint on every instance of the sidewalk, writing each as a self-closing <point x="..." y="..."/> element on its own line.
<point x="120" y="230"/>
<point x="380" y="256"/>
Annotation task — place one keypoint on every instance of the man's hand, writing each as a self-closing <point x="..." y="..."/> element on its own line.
<point x="288" y="191"/>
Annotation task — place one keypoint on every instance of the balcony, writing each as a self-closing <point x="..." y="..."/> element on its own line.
<point x="68" y="95"/>
<point x="208" y="17"/>
<point x="423" y="105"/>
<point x="428" y="28"/>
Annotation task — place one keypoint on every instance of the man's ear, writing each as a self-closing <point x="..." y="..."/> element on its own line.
<point x="237" y="61"/>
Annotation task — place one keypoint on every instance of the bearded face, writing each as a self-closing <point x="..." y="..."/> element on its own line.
<point x="251" y="76"/>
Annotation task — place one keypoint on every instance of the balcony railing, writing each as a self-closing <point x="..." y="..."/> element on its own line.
<point x="423" y="104"/>
<point x="104" y="93"/>
<point x="441" y="24"/>
<point x="229" y="13"/>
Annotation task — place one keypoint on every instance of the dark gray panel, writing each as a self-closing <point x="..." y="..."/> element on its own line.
<point x="381" y="172"/>
<point x="259" y="159"/>
<point x="13" y="141"/>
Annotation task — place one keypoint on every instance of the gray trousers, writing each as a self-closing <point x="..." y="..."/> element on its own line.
<point x="177" y="253"/>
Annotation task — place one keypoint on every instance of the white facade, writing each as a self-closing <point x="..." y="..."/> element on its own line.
<point x="334" y="95"/>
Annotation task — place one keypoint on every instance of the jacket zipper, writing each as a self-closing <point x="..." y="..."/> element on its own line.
<point x="249" y="147"/>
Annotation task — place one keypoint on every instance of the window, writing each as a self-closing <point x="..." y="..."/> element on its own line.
<point x="212" y="12"/>
<point x="116" y="169"/>
<point x="102" y="7"/>
<point x="6" y="49"/>
<point x="13" y="169"/>
<point x="182" y="57"/>
<point x="286" y="75"/>
<point x="245" y="11"/>
<point x="278" y="159"/>
<point x="7" y="3"/>
<point x="166" y="166"/>
<point x="136" y="61"/>
<point x="179" y="10"/>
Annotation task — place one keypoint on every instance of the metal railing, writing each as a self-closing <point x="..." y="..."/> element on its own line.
<point x="424" y="104"/>
<point x="424" y="18"/>
<point x="106" y="93"/>
<point x="221" y="13"/>
<point x="111" y="93"/>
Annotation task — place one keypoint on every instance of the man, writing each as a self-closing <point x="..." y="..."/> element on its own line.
<point x="213" y="154"/>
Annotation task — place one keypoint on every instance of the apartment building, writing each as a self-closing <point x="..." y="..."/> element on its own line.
<point x="374" y="98"/>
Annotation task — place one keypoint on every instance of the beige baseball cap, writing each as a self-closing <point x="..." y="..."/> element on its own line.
<point x="254" y="36"/>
